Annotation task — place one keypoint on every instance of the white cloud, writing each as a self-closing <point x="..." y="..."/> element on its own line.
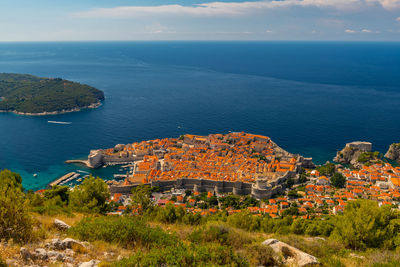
<point x="361" y="31"/>
<point x="158" y="29"/>
<point x="388" y="4"/>
<point x="230" y="8"/>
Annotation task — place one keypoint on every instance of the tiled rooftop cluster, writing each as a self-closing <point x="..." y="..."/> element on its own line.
<point x="377" y="182"/>
<point x="222" y="157"/>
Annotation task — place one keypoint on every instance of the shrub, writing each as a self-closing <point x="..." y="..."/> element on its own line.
<point x="192" y="219"/>
<point x="52" y="206"/>
<point x="328" y="169"/>
<point x="366" y="225"/>
<point x="172" y="214"/>
<point x="15" y="221"/>
<point x="141" y="197"/>
<point x="58" y="191"/>
<point x="90" y="196"/>
<point x="220" y="233"/>
<point x="297" y="226"/>
<point x="261" y="255"/>
<point x="369" y="156"/>
<point x="338" y="180"/>
<point x="245" y="221"/>
<point x="11" y="178"/>
<point x="126" y="231"/>
<point x="168" y="214"/>
<point x="185" y="255"/>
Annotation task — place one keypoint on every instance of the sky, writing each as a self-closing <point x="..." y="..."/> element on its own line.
<point x="109" y="20"/>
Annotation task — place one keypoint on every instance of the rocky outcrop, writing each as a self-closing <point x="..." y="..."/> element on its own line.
<point x="350" y="153"/>
<point x="54" y="251"/>
<point x="393" y="152"/>
<point x="67" y="243"/>
<point x="61" y="225"/>
<point x="41" y="254"/>
<point x="291" y="255"/>
<point x="25" y="254"/>
<point x="66" y="252"/>
<point x="92" y="263"/>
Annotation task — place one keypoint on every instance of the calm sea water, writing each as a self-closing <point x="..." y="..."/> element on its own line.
<point x="310" y="98"/>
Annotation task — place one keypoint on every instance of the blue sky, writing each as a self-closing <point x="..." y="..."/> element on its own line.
<point x="86" y="20"/>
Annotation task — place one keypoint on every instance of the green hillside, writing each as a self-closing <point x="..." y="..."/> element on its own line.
<point x="31" y="94"/>
<point x="90" y="233"/>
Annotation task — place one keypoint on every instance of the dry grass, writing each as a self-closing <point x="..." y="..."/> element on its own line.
<point x="9" y="251"/>
<point x="48" y="221"/>
<point x="181" y="230"/>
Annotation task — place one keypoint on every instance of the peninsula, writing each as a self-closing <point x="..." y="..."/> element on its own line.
<point x="240" y="162"/>
<point x="30" y="95"/>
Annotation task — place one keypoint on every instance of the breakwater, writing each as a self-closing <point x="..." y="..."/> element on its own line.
<point x="66" y="178"/>
<point x="77" y="161"/>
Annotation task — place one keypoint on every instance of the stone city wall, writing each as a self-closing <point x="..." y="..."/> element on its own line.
<point x="204" y="185"/>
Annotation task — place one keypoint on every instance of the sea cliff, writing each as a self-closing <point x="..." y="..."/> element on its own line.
<point x="350" y="153"/>
<point x="393" y="152"/>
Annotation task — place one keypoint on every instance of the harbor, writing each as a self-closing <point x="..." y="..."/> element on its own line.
<point x="65" y="179"/>
<point x="75" y="177"/>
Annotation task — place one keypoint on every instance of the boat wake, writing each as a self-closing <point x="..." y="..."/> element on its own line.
<point x="59" y="122"/>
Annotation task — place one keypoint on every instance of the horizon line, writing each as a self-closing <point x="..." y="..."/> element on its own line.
<point x="190" y="40"/>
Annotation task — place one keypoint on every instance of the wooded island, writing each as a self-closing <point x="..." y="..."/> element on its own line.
<point x="30" y="95"/>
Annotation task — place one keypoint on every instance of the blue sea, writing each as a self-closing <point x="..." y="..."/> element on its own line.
<point x="309" y="97"/>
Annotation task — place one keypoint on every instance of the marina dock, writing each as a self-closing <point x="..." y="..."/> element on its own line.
<point x="66" y="178"/>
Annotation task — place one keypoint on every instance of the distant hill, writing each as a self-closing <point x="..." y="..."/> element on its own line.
<point x="28" y="94"/>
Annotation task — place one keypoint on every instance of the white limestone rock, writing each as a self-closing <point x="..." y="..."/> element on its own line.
<point x="61" y="225"/>
<point x="92" y="263"/>
<point x="40" y="254"/>
<point x="292" y="255"/>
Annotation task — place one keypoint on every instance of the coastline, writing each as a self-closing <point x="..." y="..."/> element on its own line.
<point x="63" y="111"/>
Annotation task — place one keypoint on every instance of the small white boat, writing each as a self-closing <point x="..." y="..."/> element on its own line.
<point x="59" y="122"/>
<point x="35" y="175"/>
